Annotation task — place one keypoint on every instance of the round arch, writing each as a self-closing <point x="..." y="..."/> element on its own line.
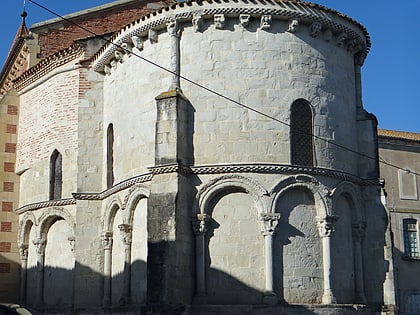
<point x="135" y="194"/>
<point x="25" y="224"/>
<point x="50" y="216"/>
<point x="320" y="193"/>
<point x="110" y="211"/>
<point x="352" y="193"/>
<point x="229" y="184"/>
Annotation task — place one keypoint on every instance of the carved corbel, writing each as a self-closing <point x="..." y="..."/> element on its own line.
<point x="354" y="46"/>
<point x="219" y="21"/>
<point x="173" y="28"/>
<point x="197" y="22"/>
<point x="114" y="64"/>
<point x="244" y="19"/>
<point x="269" y="222"/>
<point x="128" y="48"/>
<point x="327" y="35"/>
<point x="265" y="22"/>
<point x="119" y="56"/>
<point x="293" y="26"/>
<point x="341" y="39"/>
<point x="316" y="28"/>
<point x="137" y="43"/>
<point x="153" y="36"/>
<point x="107" y="69"/>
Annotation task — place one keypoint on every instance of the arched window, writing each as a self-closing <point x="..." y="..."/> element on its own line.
<point x="110" y="156"/>
<point x="56" y="175"/>
<point x="301" y="141"/>
<point x="411" y="248"/>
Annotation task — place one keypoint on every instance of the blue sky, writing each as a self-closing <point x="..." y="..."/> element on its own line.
<point x="390" y="73"/>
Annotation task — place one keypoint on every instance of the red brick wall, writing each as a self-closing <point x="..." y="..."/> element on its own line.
<point x="102" y="22"/>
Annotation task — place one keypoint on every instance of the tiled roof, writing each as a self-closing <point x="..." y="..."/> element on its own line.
<point x="403" y="135"/>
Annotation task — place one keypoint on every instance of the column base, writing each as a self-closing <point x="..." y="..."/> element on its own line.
<point x="200" y="299"/>
<point x="328" y="298"/>
<point x="270" y="298"/>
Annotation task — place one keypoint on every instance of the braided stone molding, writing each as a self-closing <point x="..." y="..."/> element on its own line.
<point x="114" y="189"/>
<point x="46" y="204"/>
<point x="47" y="65"/>
<point x="305" y="13"/>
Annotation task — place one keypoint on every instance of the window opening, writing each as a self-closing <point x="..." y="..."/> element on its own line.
<point x="301" y="140"/>
<point x="56" y="175"/>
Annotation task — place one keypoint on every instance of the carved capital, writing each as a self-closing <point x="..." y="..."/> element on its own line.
<point x="40" y="244"/>
<point x="326" y="226"/>
<point x="265" y="22"/>
<point x="72" y="241"/>
<point x="200" y="225"/>
<point x="219" y="21"/>
<point x="107" y="240"/>
<point x="126" y="233"/>
<point x="23" y="251"/>
<point x="358" y="231"/>
<point x="293" y="26"/>
<point x="269" y="222"/>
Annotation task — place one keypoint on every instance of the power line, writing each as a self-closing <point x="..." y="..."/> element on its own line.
<point x="380" y="160"/>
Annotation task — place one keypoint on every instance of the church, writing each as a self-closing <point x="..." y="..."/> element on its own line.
<point x="198" y="157"/>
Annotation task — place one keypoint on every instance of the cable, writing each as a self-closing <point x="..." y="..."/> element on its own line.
<point x="217" y="93"/>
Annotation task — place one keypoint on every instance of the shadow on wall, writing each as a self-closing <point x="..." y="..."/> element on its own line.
<point x="9" y="280"/>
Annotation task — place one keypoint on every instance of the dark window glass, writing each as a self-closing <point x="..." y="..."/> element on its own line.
<point x="411" y="248"/>
<point x="56" y="175"/>
<point x="110" y="156"/>
<point x="301" y="140"/>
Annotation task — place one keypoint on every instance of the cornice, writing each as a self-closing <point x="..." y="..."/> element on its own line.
<point x="47" y="65"/>
<point x="349" y="33"/>
<point x="203" y="170"/>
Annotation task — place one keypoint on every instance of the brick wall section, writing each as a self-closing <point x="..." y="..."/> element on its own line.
<point x="12" y="110"/>
<point x="101" y="22"/>
<point x="10" y="147"/>
<point x="7" y="206"/>
<point x="6" y="227"/>
<point x="5" y="247"/>
<point x="9" y="167"/>
<point x="8" y="186"/>
<point x="11" y="128"/>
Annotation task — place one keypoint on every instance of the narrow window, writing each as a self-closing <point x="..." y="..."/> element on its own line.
<point x="56" y="175"/>
<point x="110" y="156"/>
<point x="411" y="248"/>
<point x="301" y="141"/>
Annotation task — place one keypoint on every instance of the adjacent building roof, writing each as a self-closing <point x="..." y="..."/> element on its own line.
<point x="398" y="135"/>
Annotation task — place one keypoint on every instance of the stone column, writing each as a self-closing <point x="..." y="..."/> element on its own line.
<point x="325" y="228"/>
<point x="200" y="227"/>
<point x="23" y="250"/>
<point x="40" y="259"/>
<point x="174" y="31"/>
<point x="358" y="234"/>
<point x="107" y="246"/>
<point x="269" y="223"/>
<point x="126" y="232"/>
